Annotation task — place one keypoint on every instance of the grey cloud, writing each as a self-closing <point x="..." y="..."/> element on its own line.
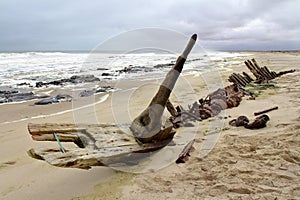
<point x="81" y="25"/>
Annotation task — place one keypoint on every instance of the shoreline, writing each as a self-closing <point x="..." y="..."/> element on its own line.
<point x="59" y="183"/>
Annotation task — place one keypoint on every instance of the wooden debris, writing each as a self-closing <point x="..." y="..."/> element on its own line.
<point x="171" y="109"/>
<point x="147" y="126"/>
<point x="109" y="143"/>
<point x="99" y="144"/>
<point x="261" y="74"/>
<point x="240" y="121"/>
<point x="259" y="122"/>
<point x="184" y="155"/>
<point x="212" y="105"/>
<point x="265" y="111"/>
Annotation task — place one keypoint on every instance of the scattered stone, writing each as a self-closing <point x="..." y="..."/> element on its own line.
<point x="58" y="98"/>
<point x="73" y="79"/>
<point x="24" y="84"/>
<point x="83" y="78"/>
<point x="106" y="74"/>
<point x="87" y="93"/>
<point x="64" y="96"/>
<point x="16" y="96"/>
<point x="101" y="69"/>
<point x="47" y="101"/>
<point x="133" y="69"/>
<point x="163" y="65"/>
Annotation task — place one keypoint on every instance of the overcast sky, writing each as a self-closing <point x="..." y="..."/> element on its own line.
<point x="32" y="25"/>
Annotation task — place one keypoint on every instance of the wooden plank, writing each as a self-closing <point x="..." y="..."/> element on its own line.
<point x="269" y="72"/>
<point x="86" y="158"/>
<point x="253" y="71"/>
<point x="248" y="77"/>
<point x="100" y="144"/>
<point x="265" y="111"/>
<point x="94" y="136"/>
<point x="183" y="156"/>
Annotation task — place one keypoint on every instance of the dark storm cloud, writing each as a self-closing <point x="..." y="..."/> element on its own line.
<point x="81" y="25"/>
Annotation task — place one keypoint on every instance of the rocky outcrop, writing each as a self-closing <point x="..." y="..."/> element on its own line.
<point x="87" y="93"/>
<point x="55" y="99"/>
<point x="16" y="96"/>
<point x="72" y="79"/>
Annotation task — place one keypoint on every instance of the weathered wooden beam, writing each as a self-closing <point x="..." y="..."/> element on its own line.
<point x="247" y="77"/>
<point x="235" y="81"/>
<point x="258" y="71"/>
<point x="184" y="155"/>
<point x="269" y="72"/>
<point x="100" y="145"/>
<point x="243" y="79"/>
<point x="239" y="79"/>
<point x="86" y="158"/>
<point x="265" y="111"/>
<point x="267" y="75"/>
<point x="171" y="109"/>
<point x="252" y="70"/>
<point x="147" y="126"/>
<point x="286" y="72"/>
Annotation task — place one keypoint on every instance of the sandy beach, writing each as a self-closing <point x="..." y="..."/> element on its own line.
<point x="244" y="164"/>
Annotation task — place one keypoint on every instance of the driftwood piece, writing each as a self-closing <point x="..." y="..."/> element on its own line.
<point x="265" y="111"/>
<point x="99" y="145"/>
<point x="147" y="126"/>
<point x="184" y="155"/>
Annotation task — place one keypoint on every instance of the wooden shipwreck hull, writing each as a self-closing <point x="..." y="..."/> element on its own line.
<point x="225" y="98"/>
<point x="97" y="144"/>
<point x="107" y="144"/>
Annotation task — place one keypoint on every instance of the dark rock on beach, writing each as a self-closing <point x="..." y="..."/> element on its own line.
<point x="133" y="69"/>
<point x="106" y="74"/>
<point x="72" y="79"/>
<point x="16" y="96"/>
<point x="163" y="65"/>
<point x="24" y="84"/>
<point x="47" y="101"/>
<point x="83" y="78"/>
<point x="55" y="99"/>
<point x="87" y="93"/>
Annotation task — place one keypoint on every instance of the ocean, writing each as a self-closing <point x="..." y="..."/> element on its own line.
<point x="22" y="71"/>
<point x="31" y="67"/>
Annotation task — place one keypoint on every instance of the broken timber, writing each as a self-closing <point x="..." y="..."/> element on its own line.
<point x="221" y="99"/>
<point x="106" y="144"/>
<point x="99" y="145"/>
<point x="265" y="111"/>
<point x="147" y="126"/>
<point x="261" y="74"/>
